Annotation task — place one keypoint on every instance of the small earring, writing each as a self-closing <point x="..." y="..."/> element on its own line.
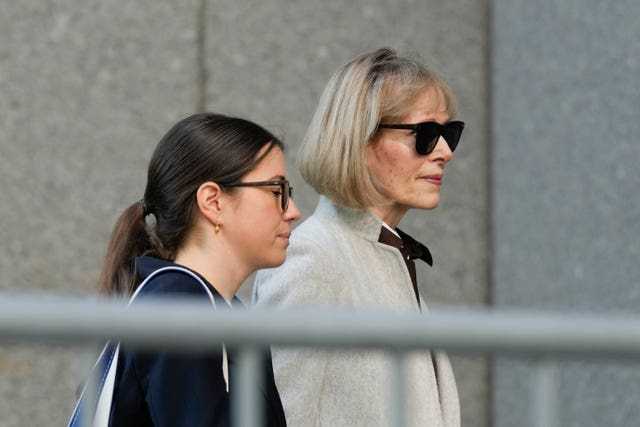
<point x="217" y="229"/>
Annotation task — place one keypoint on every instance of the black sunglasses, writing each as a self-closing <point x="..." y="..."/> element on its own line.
<point x="285" y="193"/>
<point x="428" y="133"/>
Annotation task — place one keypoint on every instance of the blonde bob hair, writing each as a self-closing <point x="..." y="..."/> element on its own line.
<point x="371" y="88"/>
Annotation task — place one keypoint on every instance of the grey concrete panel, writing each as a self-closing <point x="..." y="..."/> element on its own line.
<point x="269" y="61"/>
<point x="84" y="100"/>
<point x="87" y="90"/>
<point x="566" y="218"/>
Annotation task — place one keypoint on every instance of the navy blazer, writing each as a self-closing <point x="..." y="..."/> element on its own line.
<point x="174" y="389"/>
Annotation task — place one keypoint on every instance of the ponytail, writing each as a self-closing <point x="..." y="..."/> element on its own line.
<point x="129" y="239"/>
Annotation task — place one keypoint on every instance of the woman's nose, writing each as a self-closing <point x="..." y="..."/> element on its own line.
<point x="292" y="213"/>
<point x="443" y="150"/>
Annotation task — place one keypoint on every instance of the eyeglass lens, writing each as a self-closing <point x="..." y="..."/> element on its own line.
<point x="287" y="192"/>
<point x="427" y="135"/>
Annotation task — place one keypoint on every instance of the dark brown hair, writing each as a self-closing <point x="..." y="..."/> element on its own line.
<point x="200" y="148"/>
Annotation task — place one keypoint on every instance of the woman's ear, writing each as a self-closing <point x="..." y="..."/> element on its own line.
<point x="209" y="199"/>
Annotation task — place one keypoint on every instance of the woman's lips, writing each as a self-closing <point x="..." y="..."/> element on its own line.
<point x="285" y="236"/>
<point x="433" y="179"/>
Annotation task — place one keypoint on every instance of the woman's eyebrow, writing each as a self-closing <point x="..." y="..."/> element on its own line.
<point x="277" y="178"/>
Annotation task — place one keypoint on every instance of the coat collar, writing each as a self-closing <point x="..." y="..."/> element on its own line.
<point x="361" y="222"/>
<point x="146" y="265"/>
<point x="366" y="225"/>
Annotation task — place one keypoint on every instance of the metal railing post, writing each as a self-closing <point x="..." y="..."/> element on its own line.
<point x="398" y="388"/>
<point x="544" y="393"/>
<point x="247" y="407"/>
<point x="90" y="387"/>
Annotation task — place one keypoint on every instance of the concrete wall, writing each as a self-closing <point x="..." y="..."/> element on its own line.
<point x="565" y="212"/>
<point x="89" y="88"/>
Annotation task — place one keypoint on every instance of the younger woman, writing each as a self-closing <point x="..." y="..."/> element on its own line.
<point x="216" y="208"/>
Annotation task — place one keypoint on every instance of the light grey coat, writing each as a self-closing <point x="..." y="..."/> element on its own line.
<point x="335" y="260"/>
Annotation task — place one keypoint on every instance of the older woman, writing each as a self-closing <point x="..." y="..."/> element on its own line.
<point x="376" y="147"/>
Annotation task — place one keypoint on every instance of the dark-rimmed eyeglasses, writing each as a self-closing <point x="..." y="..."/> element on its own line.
<point x="285" y="193"/>
<point x="428" y="133"/>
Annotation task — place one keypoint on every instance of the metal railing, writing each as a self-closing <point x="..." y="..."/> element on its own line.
<point x="195" y="326"/>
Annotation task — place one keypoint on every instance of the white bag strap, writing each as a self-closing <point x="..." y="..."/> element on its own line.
<point x="103" y="364"/>
<point x="107" y="381"/>
<point x="105" y="392"/>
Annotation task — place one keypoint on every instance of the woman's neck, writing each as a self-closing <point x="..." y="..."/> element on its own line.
<point x="218" y="268"/>
<point x="391" y="214"/>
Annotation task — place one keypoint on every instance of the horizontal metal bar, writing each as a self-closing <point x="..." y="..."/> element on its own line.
<point x="194" y="325"/>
